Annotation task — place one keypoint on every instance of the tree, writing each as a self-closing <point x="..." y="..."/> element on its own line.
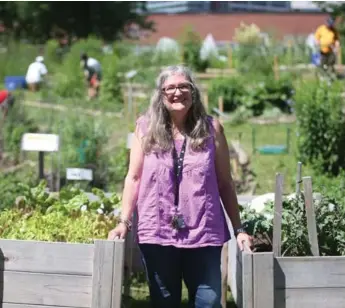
<point x="335" y="9"/>
<point x="39" y="20"/>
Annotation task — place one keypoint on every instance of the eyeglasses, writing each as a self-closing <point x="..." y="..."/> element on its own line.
<point x="184" y="88"/>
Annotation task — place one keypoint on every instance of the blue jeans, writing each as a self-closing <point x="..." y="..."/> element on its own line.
<point x="166" y="266"/>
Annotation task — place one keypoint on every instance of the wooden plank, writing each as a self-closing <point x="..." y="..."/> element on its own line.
<point x="234" y="267"/>
<point x="310" y="298"/>
<point x="46" y="257"/>
<point x="46" y="289"/>
<point x="247" y="280"/>
<point x="102" y="278"/>
<point x="306" y="272"/>
<point x="263" y="283"/>
<point x="11" y="305"/>
<point x="310" y="212"/>
<point x="278" y="209"/>
<point x="119" y="258"/>
<point x="298" y="178"/>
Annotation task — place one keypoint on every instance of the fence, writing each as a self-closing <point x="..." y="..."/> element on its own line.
<point x="45" y="274"/>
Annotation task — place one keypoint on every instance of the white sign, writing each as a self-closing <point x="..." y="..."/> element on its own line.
<point x="40" y="142"/>
<point x="129" y="140"/>
<point x="79" y="174"/>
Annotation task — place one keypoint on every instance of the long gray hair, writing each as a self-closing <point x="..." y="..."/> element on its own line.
<point x="159" y="135"/>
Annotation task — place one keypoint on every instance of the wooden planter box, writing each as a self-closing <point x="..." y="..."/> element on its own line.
<point x="260" y="280"/>
<point x="47" y="275"/>
<point x="267" y="280"/>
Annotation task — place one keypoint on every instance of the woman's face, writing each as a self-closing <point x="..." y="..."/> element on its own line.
<point x="177" y="92"/>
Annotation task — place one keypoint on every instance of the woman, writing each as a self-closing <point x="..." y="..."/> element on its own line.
<point x="179" y="170"/>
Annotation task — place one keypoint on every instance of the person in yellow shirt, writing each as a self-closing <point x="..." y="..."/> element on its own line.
<point x="327" y="38"/>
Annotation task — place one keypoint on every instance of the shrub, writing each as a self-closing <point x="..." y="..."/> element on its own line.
<point x="111" y="91"/>
<point x="321" y="126"/>
<point x="69" y="80"/>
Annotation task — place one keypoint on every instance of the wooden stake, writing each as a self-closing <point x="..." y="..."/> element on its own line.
<point x="220" y="107"/>
<point x="230" y="56"/>
<point x="276" y="68"/>
<point x="206" y="102"/>
<point x="310" y="212"/>
<point x="278" y="209"/>
<point x="339" y="60"/>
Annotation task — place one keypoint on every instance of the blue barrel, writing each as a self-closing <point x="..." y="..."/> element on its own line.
<point x="15" y="82"/>
<point x="316" y="58"/>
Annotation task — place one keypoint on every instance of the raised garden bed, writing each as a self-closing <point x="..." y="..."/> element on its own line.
<point x="49" y="274"/>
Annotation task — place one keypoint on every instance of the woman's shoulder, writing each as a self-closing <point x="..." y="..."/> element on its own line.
<point x="143" y="123"/>
<point x="214" y="124"/>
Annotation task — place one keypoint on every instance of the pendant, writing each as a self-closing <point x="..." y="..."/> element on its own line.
<point x="178" y="222"/>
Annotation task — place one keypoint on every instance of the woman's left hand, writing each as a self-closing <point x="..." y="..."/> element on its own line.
<point x="244" y="240"/>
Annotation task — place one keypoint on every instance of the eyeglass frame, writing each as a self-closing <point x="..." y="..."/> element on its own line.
<point x="189" y="84"/>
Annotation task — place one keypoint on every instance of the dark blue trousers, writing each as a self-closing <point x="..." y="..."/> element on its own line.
<point x="166" y="266"/>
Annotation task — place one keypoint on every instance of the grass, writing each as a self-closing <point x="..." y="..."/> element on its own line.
<point x="140" y="297"/>
<point x="266" y="166"/>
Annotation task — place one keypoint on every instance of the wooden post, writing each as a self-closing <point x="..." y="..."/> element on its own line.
<point x="230" y="56"/>
<point x="135" y="110"/>
<point x="129" y="239"/>
<point x="289" y="52"/>
<point x="126" y="109"/>
<point x="339" y="60"/>
<point x="276" y="68"/>
<point x="310" y="212"/>
<point x="278" y="209"/>
<point x="220" y="107"/>
<point x="206" y="102"/>
<point x="224" y="269"/>
<point x="298" y="179"/>
<point x="41" y="165"/>
<point x="263" y="280"/>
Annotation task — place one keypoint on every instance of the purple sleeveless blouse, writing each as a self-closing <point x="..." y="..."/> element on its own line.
<point x="199" y="200"/>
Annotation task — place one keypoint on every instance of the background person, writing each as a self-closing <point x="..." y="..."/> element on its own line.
<point x="35" y="73"/>
<point x="178" y="175"/>
<point x="327" y="38"/>
<point x="6" y="101"/>
<point x="93" y="74"/>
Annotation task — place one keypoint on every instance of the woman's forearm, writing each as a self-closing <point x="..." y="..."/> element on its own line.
<point x="230" y="202"/>
<point x="129" y="197"/>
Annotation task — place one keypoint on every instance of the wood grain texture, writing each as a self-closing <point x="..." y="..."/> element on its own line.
<point x="310" y="212"/>
<point x="119" y="258"/>
<point x="278" y="209"/>
<point x="247" y="280"/>
<point x="310" y="298"/>
<point x="263" y="283"/>
<point x="102" y="278"/>
<point x="46" y="289"/>
<point x="309" y="272"/>
<point x="46" y="257"/>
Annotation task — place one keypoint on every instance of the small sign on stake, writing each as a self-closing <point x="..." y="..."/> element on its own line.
<point x="40" y="143"/>
<point x="79" y="174"/>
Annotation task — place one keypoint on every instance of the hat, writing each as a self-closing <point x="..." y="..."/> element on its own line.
<point x="39" y="59"/>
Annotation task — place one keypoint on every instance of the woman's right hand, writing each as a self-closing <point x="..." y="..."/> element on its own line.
<point x="119" y="232"/>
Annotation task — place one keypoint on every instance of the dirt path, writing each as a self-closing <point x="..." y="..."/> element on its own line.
<point x="91" y="112"/>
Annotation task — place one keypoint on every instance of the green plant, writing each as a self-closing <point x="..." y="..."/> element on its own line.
<point x="16" y="124"/>
<point x="111" y="92"/>
<point x="329" y="212"/>
<point x="321" y="126"/>
<point x="191" y="44"/>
